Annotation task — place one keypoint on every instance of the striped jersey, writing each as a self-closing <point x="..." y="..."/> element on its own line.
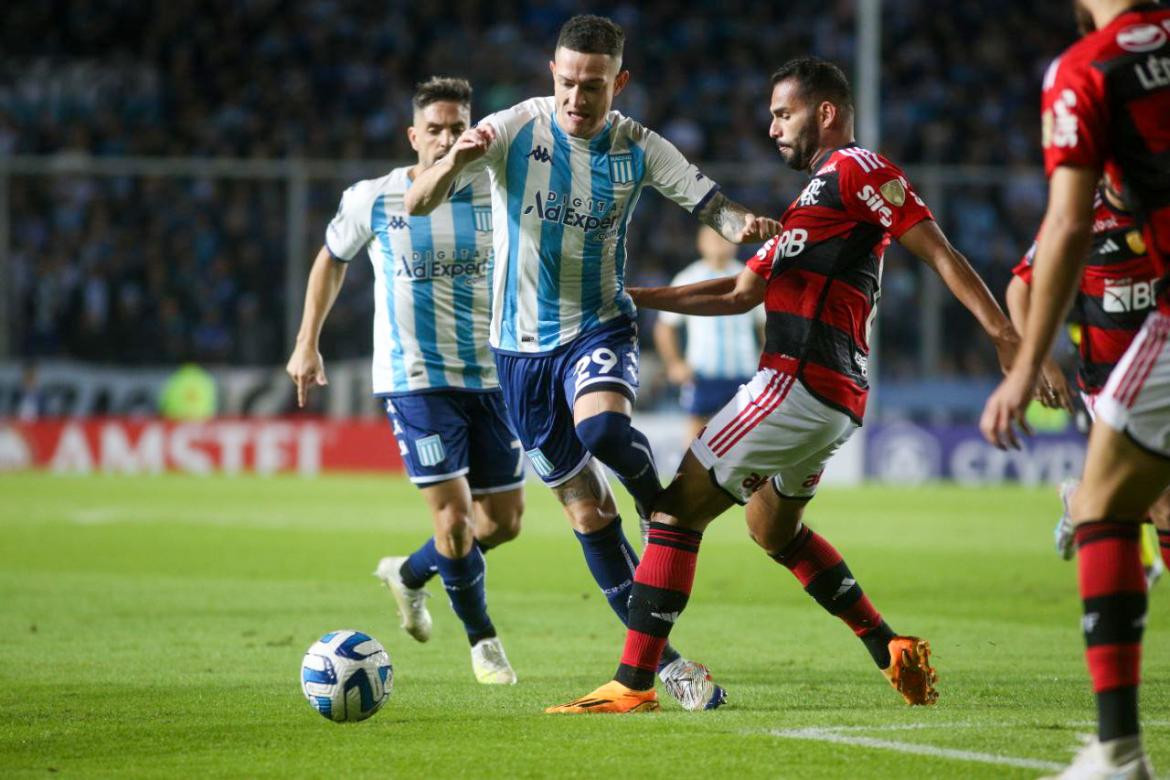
<point x="1117" y="290"/>
<point x="718" y="347"/>
<point x="430" y="282"/>
<point x="562" y="206"/>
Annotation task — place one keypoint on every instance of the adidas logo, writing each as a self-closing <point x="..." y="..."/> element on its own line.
<point x="540" y="154"/>
<point x="666" y="617"/>
<point x="1109" y="246"/>
<point x="1089" y="621"/>
<point x="846" y="584"/>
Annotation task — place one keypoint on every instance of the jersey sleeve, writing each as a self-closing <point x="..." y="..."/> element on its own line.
<point x="669" y="172"/>
<point x="350" y="229"/>
<point x="1073" y="121"/>
<point x="879" y="194"/>
<point x="1023" y="269"/>
<point x="761" y="262"/>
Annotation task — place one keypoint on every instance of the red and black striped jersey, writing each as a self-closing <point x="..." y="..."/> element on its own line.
<point x="824" y="272"/>
<point x="1115" y="295"/>
<point x="1106" y="106"/>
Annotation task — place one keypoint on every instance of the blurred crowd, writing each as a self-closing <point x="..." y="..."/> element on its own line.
<point x="151" y="270"/>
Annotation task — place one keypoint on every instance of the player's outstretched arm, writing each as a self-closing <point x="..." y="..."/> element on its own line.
<point x="1056" y="272"/>
<point x="712" y="298"/>
<point x="1053" y="390"/>
<point x="735" y="223"/>
<point x="306" y="367"/>
<point x="433" y="185"/>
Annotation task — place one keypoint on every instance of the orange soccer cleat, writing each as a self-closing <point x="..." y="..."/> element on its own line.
<point x="612" y="697"/>
<point x="910" y="671"/>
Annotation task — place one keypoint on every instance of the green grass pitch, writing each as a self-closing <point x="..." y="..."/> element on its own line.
<point x="154" y="627"/>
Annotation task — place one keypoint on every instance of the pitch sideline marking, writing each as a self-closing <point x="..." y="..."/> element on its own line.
<point x="834" y="736"/>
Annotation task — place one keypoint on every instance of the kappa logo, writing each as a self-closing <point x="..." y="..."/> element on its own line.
<point x="540" y="154"/>
<point x="396" y="223"/>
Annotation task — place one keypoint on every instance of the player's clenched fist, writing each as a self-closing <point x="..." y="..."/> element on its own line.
<point x="756" y="229"/>
<point x="306" y="368"/>
<point x="472" y="144"/>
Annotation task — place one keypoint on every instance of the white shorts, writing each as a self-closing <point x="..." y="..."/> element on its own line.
<point x="1136" y="399"/>
<point x="773" y="427"/>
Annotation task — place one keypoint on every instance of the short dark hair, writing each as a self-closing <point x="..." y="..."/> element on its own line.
<point x="438" y="88"/>
<point x="819" y="80"/>
<point x="591" y="34"/>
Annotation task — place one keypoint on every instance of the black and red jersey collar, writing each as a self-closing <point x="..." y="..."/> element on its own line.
<point x="821" y="158"/>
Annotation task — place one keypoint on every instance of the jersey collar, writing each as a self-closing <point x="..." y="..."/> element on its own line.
<point x="822" y="158"/>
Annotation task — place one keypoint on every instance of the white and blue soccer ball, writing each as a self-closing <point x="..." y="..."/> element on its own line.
<point x="347" y="676"/>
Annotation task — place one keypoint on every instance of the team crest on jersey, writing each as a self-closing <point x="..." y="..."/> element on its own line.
<point x="483" y="218"/>
<point x="894" y="192"/>
<point x="540" y="463"/>
<point x="430" y="450"/>
<point x="1135" y="242"/>
<point x="621" y="168"/>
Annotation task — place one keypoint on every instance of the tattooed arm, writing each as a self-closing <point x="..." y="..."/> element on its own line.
<point x="735" y="223"/>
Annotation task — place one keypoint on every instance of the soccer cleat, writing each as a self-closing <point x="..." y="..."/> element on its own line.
<point x="412" y="602"/>
<point x="910" y="672"/>
<point x="613" y="697"/>
<point x="1064" y="532"/>
<point x="690" y="684"/>
<point x="1117" y="759"/>
<point x="489" y="663"/>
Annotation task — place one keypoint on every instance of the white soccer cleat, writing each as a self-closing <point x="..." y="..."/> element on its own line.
<point x="1065" y="532"/>
<point x="1117" y="759"/>
<point x="412" y="602"/>
<point x="489" y="663"/>
<point x="690" y="684"/>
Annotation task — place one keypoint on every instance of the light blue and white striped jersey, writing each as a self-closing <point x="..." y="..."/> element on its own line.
<point x="562" y="206"/>
<point x="718" y="347"/>
<point x="431" y="299"/>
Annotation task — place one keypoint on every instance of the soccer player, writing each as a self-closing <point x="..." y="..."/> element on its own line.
<point x="566" y="172"/>
<point x="1106" y="110"/>
<point x="721" y="353"/>
<point x="432" y="368"/>
<point x="1115" y="295"/>
<point x="819" y="281"/>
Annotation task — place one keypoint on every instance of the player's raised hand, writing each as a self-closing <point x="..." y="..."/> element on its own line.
<point x="306" y="368"/>
<point x="472" y="144"/>
<point x="757" y="229"/>
<point x="1005" y="410"/>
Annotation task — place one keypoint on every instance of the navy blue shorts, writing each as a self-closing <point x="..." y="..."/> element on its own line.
<point x="444" y="434"/>
<point x="704" y="395"/>
<point x="539" y="391"/>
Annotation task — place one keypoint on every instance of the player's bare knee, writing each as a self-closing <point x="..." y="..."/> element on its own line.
<point x="454" y="534"/>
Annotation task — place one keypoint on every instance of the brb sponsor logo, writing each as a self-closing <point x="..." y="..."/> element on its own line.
<point x="595" y="216"/>
<point x="427" y="266"/>
<point x="1125" y="295"/>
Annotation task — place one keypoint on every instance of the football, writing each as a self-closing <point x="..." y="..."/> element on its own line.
<point x="347" y="676"/>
